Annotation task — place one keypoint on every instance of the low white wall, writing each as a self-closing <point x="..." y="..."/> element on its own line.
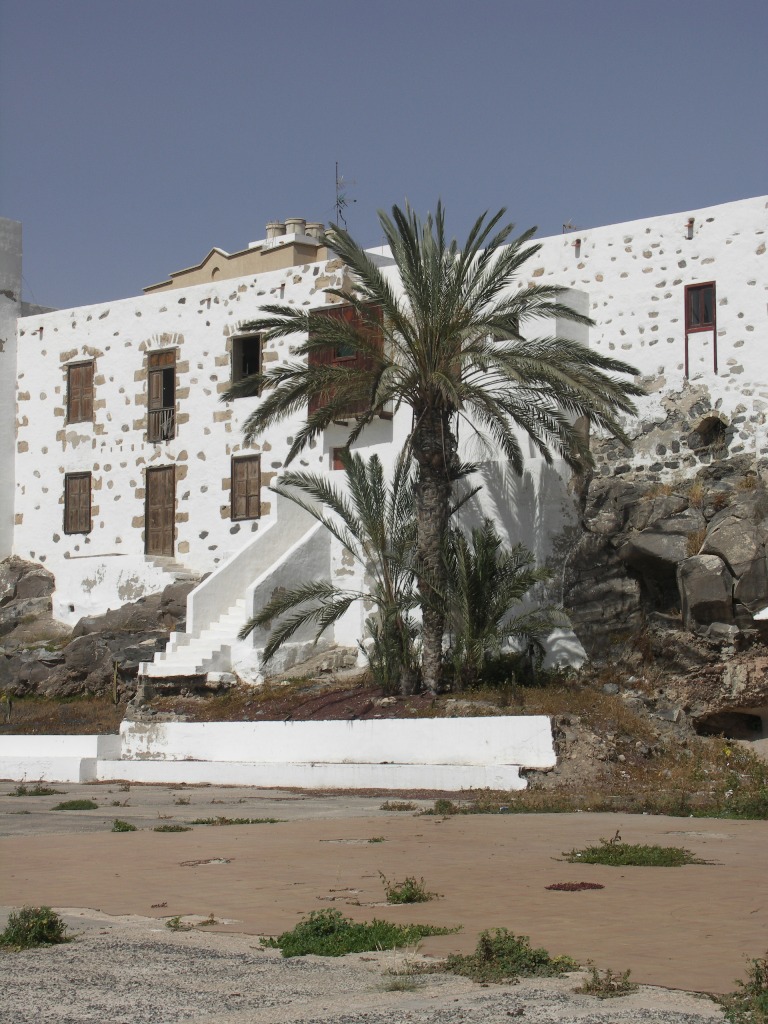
<point x="60" y="746"/>
<point x="55" y="758"/>
<point x="524" y="740"/>
<point x="423" y="753"/>
<point x="314" y="776"/>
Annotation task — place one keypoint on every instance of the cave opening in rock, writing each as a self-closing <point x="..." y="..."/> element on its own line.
<point x="733" y="725"/>
<point x="711" y="435"/>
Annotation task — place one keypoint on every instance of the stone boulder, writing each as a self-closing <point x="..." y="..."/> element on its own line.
<point x="706" y="590"/>
<point x="21" y="580"/>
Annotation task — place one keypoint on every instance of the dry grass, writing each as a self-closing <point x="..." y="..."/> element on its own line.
<point x="694" y="541"/>
<point x="75" y="715"/>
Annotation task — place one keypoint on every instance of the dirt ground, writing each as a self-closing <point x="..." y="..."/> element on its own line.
<point x="686" y="928"/>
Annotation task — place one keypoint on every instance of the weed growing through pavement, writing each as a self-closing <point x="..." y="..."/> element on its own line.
<point x="182" y="801"/>
<point x="33" y="926"/>
<point x="574" y="886"/>
<point x="118" y="825"/>
<point x="398" y="805"/>
<point x="377" y="839"/>
<point x="501" y="956"/>
<point x="749" y="1003"/>
<point x="606" y="985"/>
<point x="172" y="828"/>
<point x="614" y="853"/>
<point x="410" y="890"/>
<point x="329" y="933"/>
<point x="76" y="805"/>
<point x="235" y="821"/>
<point x="177" y="925"/>
<point x="35" y="789"/>
<point x="119" y="803"/>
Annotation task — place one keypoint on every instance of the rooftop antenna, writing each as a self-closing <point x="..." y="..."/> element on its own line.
<point x="342" y="200"/>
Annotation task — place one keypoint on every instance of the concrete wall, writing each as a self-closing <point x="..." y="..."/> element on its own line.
<point x="450" y="754"/>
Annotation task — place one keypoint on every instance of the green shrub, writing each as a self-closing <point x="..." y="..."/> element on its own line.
<point x="118" y="825"/>
<point x="76" y="805"/>
<point x="500" y="955"/>
<point x="329" y="933"/>
<point x="606" y="985"/>
<point x="172" y="828"/>
<point x="33" y="926"/>
<point x="410" y="890"/>
<point x="36" y="789"/>
<point x="749" y="1003"/>
<point x="618" y="855"/>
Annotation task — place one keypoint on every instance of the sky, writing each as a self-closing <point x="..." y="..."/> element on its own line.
<point x="137" y="135"/>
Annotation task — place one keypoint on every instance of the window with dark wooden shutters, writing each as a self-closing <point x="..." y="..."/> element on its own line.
<point x="77" y="503"/>
<point x="246" y="356"/>
<point x="246" y="487"/>
<point x="161" y="418"/>
<point x="343" y="355"/>
<point x="80" y="392"/>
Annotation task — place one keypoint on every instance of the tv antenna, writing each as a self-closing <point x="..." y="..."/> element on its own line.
<point x="342" y="199"/>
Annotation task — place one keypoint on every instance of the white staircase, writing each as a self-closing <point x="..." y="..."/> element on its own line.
<point x="290" y="548"/>
<point x="210" y="651"/>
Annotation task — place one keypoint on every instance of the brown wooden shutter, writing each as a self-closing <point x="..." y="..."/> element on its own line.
<point x="80" y="392"/>
<point x="323" y="357"/>
<point x="160" y="515"/>
<point x="77" y="503"/>
<point x="246" y="487"/>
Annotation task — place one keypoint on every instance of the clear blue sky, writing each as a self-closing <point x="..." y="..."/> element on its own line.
<point x="136" y="135"/>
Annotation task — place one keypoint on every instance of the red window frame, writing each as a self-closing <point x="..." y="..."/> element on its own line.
<point x="693" y="293"/>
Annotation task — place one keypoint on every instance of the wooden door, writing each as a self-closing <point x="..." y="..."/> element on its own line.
<point x="160" y="515"/>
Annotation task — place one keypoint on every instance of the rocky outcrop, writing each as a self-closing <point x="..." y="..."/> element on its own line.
<point x="694" y="552"/>
<point x="100" y="655"/>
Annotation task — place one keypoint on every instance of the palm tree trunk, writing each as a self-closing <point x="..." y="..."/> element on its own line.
<point x="434" y="448"/>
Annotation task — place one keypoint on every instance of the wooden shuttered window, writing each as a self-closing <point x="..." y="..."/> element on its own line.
<point x="77" y="503"/>
<point x="80" y="392"/>
<point x="342" y="355"/>
<point x="246" y="487"/>
<point x="161" y="396"/>
<point x="160" y="511"/>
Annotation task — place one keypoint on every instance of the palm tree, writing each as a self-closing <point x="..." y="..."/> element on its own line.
<point x="448" y="341"/>
<point x="485" y="582"/>
<point x="374" y="522"/>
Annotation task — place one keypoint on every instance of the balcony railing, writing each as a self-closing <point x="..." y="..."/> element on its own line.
<point x="161" y="424"/>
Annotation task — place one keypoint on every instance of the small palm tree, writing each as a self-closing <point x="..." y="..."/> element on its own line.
<point x="485" y="583"/>
<point x="373" y="520"/>
<point x="448" y="340"/>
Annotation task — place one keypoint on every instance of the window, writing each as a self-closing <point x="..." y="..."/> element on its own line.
<point x="161" y="419"/>
<point x="80" y="392"/>
<point x="246" y="487"/>
<point x="337" y="458"/>
<point x="344" y="354"/>
<point x="77" y="503"/>
<point x="700" y="307"/>
<point x="246" y="356"/>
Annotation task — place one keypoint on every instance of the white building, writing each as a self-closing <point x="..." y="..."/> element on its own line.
<point x="128" y="468"/>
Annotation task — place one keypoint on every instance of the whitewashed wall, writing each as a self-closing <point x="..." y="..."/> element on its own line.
<point x="631" y="276"/>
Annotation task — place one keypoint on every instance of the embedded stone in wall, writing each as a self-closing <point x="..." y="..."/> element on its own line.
<point x="706" y="590"/>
